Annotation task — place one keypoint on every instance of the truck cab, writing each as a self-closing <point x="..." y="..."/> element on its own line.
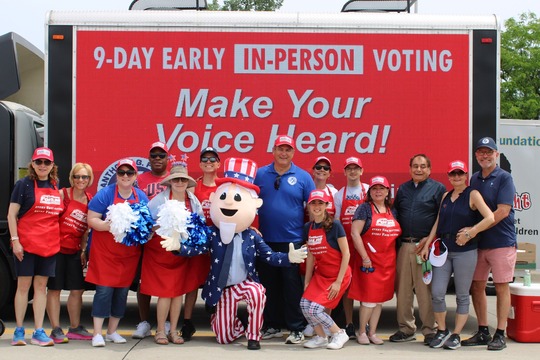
<point x="21" y="131"/>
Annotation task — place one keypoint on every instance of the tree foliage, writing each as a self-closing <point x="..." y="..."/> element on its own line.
<point x="246" y="5"/>
<point x="520" y="68"/>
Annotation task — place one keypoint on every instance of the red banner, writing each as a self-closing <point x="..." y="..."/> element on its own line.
<point x="383" y="97"/>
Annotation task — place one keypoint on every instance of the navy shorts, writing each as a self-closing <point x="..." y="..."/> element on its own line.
<point x="33" y="264"/>
<point x="69" y="273"/>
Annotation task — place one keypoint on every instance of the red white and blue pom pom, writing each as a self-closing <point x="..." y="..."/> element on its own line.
<point x="130" y="224"/>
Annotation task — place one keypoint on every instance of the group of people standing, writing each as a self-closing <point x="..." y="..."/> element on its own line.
<point x="351" y="235"/>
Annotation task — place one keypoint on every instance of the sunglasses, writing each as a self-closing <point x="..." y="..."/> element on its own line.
<point x="84" y="177"/>
<point x="175" y="180"/>
<point x="322" y="167"/>
<point x="454" y="173"/>
<point x="277" y="182"/>
<point x="484" y="152"/>
<point x="160" y="155"/>
<point x="367" y="270"/>
<point x="129" y="173"/>
<point x="41" y="162"/>
<point x="207" y="159"/>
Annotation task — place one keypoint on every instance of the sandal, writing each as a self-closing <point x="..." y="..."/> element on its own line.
<point x="175" y="338"/>
<point x="160" y="338"/>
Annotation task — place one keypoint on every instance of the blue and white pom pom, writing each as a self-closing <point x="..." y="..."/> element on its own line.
<point x="130" y="224"/>
<point x="174" y="217"/>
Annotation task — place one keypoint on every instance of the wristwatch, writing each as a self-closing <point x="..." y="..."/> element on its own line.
<point x="467" y="235"/>
<point x="13" y="238"/>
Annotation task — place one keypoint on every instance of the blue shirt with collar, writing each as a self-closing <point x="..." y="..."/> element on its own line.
<point x="497" y="188"/>
<point x="281" y="216"/>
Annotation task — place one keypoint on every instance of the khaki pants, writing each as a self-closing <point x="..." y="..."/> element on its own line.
<point x="408" y="283"/>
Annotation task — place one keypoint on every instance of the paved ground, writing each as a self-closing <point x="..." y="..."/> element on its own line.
<point x="204" y="346"/>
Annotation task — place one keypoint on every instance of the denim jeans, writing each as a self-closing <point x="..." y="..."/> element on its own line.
<point x="109" y="301"/>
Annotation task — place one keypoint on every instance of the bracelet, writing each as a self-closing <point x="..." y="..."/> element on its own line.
<point x="13" y="238"/>
<point x="366" y="261"/>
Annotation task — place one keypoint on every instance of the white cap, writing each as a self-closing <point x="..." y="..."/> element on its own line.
<point x="438" y="260"/>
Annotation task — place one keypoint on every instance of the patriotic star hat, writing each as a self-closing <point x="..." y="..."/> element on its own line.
<point x="240" y="171"/>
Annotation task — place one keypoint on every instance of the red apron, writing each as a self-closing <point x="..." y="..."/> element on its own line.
<point x="112" y="264"/>
<point x="328" y="262"/>
<point x="348" y="208"/>
<point x="377" y="286"/>
<point x="73" y="223"/>
<point x="38" y="228"/>
<point x="166" y="275"/>
<point x="331" y="207"/>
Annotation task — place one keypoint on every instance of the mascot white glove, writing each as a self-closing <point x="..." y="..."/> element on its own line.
<point x="297" y="256"/>
<point x="172" y="243"/>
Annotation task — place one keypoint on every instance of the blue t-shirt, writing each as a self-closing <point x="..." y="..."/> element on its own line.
<point x="23" y="193"/>
<point x="497" y="188"/>
<point x="105" y="197"/>
<point x="281" y="216"/>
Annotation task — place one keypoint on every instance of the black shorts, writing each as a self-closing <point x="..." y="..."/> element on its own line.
<point x="33" y="264"/>
<point x="69" y="273"/>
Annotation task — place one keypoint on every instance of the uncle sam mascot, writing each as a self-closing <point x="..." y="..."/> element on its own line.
<point x="234" y="249"/>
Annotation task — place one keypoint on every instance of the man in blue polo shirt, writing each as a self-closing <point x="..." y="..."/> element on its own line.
<point x="284" y="189"/>
<point x="496" y="246"/>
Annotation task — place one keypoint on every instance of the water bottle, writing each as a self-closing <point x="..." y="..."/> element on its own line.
<point x="527" y="278"/>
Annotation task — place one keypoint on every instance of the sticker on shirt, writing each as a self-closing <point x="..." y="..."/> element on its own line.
<point x="292" y="180"/>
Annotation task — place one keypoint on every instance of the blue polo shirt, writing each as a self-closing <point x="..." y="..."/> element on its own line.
<point x="497" y="188"/>
<point x="281" y="216"/>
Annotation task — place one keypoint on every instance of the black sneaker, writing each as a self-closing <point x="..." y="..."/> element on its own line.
<point x="349" y="329"/>
<point x="253" y="345"/>
<point x="295" y="337"/>
<point x="400" y="336"/>
<point x="439" y="339"/>
<point x="428" y="338"/>
<point x="453" y="342"/>
<point x="478" y="338"/>
<point x="187" y="330"/>
<point x="498" y="342"/>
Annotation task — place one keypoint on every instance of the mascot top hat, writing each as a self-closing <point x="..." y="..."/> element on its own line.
<point x="240" y="171"/>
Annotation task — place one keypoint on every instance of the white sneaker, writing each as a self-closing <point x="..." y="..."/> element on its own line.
<point x="97" y="341"/>
<point x="338" y="340"/>
<point x="309" y="331"/>
<point x="167" y="328"/>
<point x="115" y="338"/>
<point x="144" y="329"/>
<point x="316" y="342"/>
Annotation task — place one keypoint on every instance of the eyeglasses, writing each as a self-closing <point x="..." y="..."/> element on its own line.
<point x="485" y="152"/>
<point x="367" y="270"/>
<point x="277" y="182"/>
<point x="175" y="180"/>
<point x="160" y="155"/>
<point x="212" y="159"/>
<point x="456" y="173"/>
<point x="129" y="173"/>
<point x="41" y="162"/>
<point x="84" y="177"/>
<point x="322" y="167"/>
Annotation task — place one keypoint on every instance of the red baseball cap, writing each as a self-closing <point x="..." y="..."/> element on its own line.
<point x="127" y="162"/>
<point x="284" y="140"/>
<point x="457" y="165"/>
<point x="318" y="194"/>
<point x="322" y="158"/>
<point x="43" y="153"/>
<point x="353" y="160"/>
<point x="379" y="180"/>
<point x="159" y="145"/>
